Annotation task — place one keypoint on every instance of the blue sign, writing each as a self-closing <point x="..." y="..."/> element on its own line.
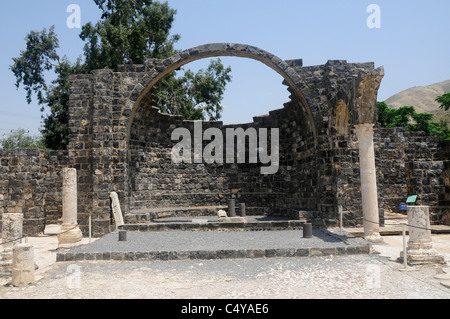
<point x="403" y="206"/>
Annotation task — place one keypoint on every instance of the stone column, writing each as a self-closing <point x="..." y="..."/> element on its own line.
<point x="23" y="265"/>
<point x="231" y="208"/>
<point x="11" y="233"/>
<point x="420" y="248"/>
<point x="70" y="234"/>
<point x="12" y="225"/>
<point x="369" y="191"/>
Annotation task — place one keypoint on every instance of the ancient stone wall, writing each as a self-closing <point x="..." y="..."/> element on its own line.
<point x="31" y="184"/>
<point x="120" y="143"/>
<point x="444" y="199"/>
<point x="410" y="163"/>
<point x="157" y="182"/>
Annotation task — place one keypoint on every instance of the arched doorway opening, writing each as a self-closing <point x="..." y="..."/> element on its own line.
<point x="155" y="182"/>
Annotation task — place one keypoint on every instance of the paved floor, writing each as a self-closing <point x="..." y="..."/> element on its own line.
<point x="182" y="245"/>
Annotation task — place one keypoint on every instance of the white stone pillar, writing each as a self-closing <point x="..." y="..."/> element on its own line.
<point x="420" y="248"/>
<point x="70" y="234"/>
<point x="23" y="265"/>
<point x="369" y="192"/>
<point x="12" y="226"/>
<point x="117" y="211"/>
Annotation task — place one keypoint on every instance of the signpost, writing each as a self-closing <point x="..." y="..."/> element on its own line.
<point x="411" y="201"/>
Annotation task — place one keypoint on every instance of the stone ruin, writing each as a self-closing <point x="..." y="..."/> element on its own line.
<point x="120" y="143"/>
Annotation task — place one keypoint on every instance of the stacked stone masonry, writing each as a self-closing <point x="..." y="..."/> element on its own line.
<point x="31" y="184"/>
<point x="120" y="143"/>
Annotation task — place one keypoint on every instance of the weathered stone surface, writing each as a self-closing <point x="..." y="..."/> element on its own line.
<point x="442" y="277"/>
<point x="70" y="234"/>
<point x="369" y="190"/>
<point x="23" y="265"/>
<point x="221" y="214"/>
<point x="36" y="175"/>
<point x="420" y="248"/>
<point x="12" y="229"/>
<point x="117" y="211"/>
<point x="234" y="220"/>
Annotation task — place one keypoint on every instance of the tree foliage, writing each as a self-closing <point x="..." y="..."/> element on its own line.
<point x="55" y="130"/>
<point x="21" y="139"/>
<point x="194" y="96"/>
<point x="444" y="101"/>
<point x="39" y="56"/>
<point x="128" y="32"/>
<point x="407" y="117"/>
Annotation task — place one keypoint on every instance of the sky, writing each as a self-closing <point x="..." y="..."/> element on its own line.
<point x="410" y="42"/>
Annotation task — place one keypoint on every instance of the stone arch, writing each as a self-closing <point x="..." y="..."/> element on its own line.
<point x="109" y="110"/>
<point x="158" y="69"/>
<point x="297" y="114"/>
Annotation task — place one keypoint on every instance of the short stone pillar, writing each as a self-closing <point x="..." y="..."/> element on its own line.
<point x="420" y="248"/>
<point x="70" y="234"/>
<point x="307" y="230"/>
<point x="231" y="208"/>
<point x="11" y="233"/>
<point x="12" y="226"/>
<point x="242" y="210"/>
<point x="369" y="192"/>
<point x="23" y="265"/>
<point x="123" y="235"/>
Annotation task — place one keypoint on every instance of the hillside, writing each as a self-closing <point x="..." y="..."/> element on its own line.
<point x="423" y="99"/>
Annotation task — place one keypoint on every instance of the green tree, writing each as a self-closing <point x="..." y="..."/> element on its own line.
<point x="390" y="117"/>
<point x="422" y="122"/>
<point x="128" y="32"/>
<point x="194" y="96"/>
<point x="407" y="117"/>
<point x="20" y="139"/>
<point x="55" y="130"/>
<point x="444" y="101"/>
<point x="39" y="56"/>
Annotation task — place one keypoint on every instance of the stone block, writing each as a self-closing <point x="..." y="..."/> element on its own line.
<point x="234" y="220"/>
<point x="23" y="265"/>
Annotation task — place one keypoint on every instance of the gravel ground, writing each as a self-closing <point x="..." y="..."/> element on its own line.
<point x="374" y="276"/>
<point x="218" y="240"/>
<point x="351" y="277"/>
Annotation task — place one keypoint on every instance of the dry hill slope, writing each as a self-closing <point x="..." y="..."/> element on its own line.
<point x="423" y="99"/>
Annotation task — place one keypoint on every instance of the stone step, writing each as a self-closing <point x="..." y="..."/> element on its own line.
<point x="212" y="223"/>
<point x="214" y="226"/>
<point x="206" y="218"/>
<point x="396" y="230"/>
<point x="148" y="215"/>
<point x="442" y="277"/>
<point x="446" y="283"/>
